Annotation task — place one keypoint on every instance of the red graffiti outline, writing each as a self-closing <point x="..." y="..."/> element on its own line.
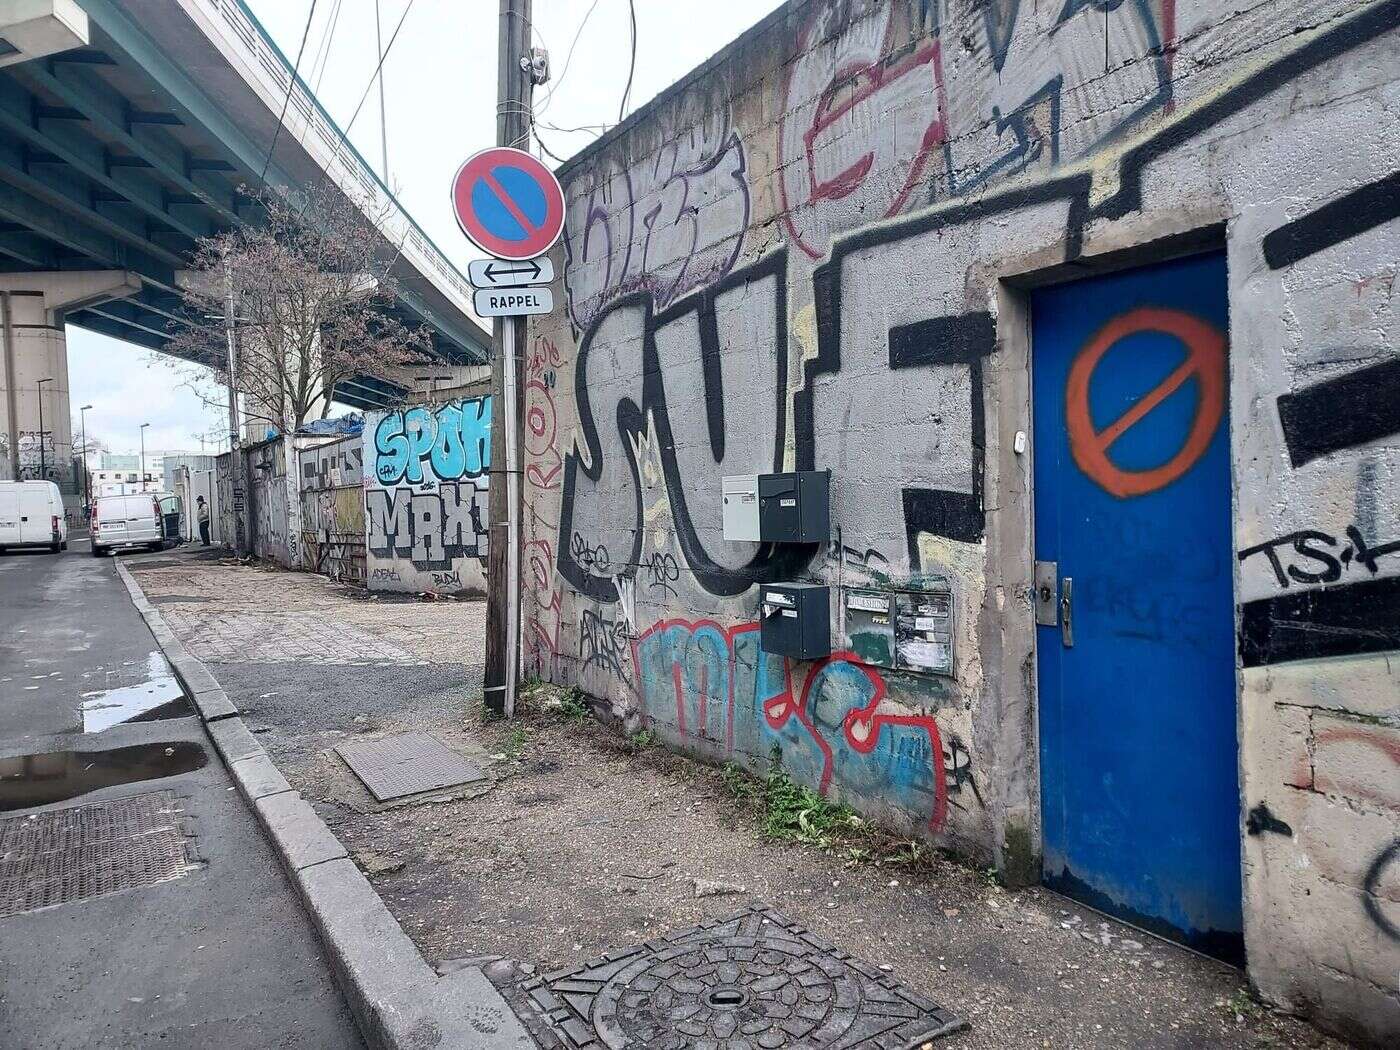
<point x="878" y="74"/>
<point x="875" y="722"/>
<point x="779" y="709"/>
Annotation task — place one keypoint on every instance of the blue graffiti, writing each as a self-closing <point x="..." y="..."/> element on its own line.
<point x="452" y="442"/>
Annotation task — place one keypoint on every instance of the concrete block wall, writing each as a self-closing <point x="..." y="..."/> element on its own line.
<point x="734" y="260"/>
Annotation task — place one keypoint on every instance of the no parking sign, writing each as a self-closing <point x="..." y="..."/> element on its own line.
<point x="508" y="203"/>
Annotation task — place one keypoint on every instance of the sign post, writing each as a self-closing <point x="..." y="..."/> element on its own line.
<point x="511" y="206"/>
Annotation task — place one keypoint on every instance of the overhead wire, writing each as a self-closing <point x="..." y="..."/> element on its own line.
<point x="568" y="59"/>
<point x="291" y="85"/>
<point x="323" y="56"/>
<point x="632" y="68"/>
<point x="345" y="133"/>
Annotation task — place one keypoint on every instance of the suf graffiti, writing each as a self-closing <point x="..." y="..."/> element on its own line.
<point x="714" y="689"/>
<point x="426" y="514"/>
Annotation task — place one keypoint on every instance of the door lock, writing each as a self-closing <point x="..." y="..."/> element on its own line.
<point x="1047" y="594"/>
<point x="1067" y="612"/>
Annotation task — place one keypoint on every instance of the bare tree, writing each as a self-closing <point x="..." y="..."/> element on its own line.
<point x="312" y="290"/>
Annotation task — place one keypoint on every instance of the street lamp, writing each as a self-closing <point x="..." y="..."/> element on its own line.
<point x="87" y="496"/>
<point x="143" y="456"/>
<point x="43" y="462"/>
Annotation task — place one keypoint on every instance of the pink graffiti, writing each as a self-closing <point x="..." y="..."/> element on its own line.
<point x="720" y="659"/>
<point x="543" y="464"/>
<point x="844" y="151"/>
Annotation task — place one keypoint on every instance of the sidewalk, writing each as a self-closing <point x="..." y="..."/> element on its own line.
<point x="584" y="843"/>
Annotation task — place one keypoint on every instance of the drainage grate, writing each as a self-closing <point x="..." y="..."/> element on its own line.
<point x="407" y="764"/>
<point x="75" y="854"/>
<point x="755" y="980"/>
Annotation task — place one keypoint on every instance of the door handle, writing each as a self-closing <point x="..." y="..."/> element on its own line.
<point x="1067" y="612"/>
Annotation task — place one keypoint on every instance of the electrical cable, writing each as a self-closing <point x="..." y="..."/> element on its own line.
<point x="291" y="84"/>
<point x="374" y="76"/>
<point x="323" y="58"/>
<point x="632" y="69"/>
<point x="549" y="95"/>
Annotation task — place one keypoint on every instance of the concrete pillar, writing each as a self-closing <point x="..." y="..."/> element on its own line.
<point x="35" y="347"/>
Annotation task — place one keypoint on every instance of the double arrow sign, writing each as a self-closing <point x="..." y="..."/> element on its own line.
<point x="511" y="289"/>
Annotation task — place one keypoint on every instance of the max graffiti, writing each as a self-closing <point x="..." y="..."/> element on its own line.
<point x="429" y="529"/>
<point x="450" y="442"/>
<point x="715" y="688"/>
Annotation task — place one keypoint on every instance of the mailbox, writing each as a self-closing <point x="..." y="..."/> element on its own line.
<point x="795" y="507"/>
<point x="795" y="620"/>
<point x="740" y="505"/>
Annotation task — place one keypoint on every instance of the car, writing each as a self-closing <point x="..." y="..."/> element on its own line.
<point x="31" y="515"/>
<point x="125" y="521"/>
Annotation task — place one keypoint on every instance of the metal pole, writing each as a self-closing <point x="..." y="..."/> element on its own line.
<point x="142" y="475"/>
<point x="513" y="101"/>
<point x="11" y="383"/>
<point x="43" y="460"/>
<point x="234" y="452"/>
<point x="383" y="118"/>
<point x="87" y="501"/>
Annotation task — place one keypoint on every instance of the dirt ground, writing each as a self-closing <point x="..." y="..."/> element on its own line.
<point x="580" y="842"/>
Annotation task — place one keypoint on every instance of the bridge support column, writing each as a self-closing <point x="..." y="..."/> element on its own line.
<point x="35" y="347"/>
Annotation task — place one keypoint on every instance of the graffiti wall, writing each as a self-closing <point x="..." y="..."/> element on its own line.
<point x="814" y="252"/>
<point x="333" y="509"/>
<point x="425" y="497"/>
<point x="266" y="474"/>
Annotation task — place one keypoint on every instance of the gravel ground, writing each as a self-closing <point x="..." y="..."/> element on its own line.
<point x="581" y="842"/>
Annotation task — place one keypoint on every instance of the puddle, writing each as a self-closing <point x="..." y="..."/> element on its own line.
<point x="158" y="697"/>
<point x="41" y="780"/>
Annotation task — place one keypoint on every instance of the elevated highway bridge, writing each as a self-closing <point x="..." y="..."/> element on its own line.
<point x="126" y="130"/>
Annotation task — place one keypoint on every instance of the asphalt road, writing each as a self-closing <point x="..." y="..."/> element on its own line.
<point x="221" y="957"/>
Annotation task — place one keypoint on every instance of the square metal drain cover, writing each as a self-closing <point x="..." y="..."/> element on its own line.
<point x="755" y="981"/>
<point x="67" y="855"/>
<point x="407" y="764"/>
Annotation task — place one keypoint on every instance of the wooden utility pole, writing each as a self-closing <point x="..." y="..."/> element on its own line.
<point x="513" y="107"/>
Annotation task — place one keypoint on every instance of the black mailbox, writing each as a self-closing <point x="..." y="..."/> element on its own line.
<point x="795" y="507"/>
<point x="796" y="620"/>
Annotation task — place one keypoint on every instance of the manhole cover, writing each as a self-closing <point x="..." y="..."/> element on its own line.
<point x="756" y="981"/>
<point x="67" y="855"/>
<point x="407" y="764"/>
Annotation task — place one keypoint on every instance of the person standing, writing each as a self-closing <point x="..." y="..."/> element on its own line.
<point x="202" y="515"/>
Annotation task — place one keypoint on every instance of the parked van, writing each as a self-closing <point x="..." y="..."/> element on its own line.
<point x="125" y="521"/>
<point x="31" y="515"/>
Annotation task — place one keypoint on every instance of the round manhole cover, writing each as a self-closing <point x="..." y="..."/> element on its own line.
<point x="753" y="982"/>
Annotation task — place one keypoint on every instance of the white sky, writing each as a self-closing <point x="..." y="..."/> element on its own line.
<point x="441" y="100"/>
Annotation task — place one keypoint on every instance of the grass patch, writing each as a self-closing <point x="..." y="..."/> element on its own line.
<point x="516" y="741"/>
<point x="793" y="812"/>
<point x="641" y="741"/>
<point x="570" y="706"/>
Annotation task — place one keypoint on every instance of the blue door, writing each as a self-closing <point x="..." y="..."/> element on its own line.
<point x="1135" y="604"/>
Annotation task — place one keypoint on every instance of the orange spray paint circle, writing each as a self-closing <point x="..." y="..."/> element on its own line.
<point x="1205" y="362"/>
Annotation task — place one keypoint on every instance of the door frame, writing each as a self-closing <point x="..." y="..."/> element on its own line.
<point x="1010" y="653"/>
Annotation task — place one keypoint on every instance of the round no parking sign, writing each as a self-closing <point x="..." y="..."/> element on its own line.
<point x="508" y="203"/>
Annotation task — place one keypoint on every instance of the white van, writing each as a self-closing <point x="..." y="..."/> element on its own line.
<point x="31" y="515"/>
<point x="124" y="521"/>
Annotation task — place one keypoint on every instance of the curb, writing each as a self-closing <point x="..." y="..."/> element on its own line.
<point x="399" y="1001"/>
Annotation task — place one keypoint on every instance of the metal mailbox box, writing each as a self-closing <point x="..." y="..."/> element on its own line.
<point x="795" y="507"/>
<point x="740" y="505"/>
<point x="796" y="620"/>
